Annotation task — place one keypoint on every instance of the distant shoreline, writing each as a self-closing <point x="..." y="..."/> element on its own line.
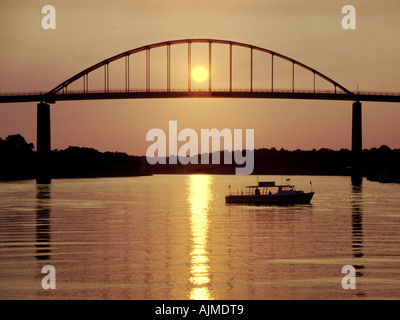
<point x="18" y="161"/>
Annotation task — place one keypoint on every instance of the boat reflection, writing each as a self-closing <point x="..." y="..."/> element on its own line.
<point x="199" y="198"/>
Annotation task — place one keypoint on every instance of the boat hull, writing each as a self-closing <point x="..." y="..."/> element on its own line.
<point x="297" y="198"/>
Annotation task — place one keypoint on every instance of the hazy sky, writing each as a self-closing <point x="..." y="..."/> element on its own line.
<point x="310" y="31"/>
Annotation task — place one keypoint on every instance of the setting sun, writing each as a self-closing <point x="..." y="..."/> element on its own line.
<point x="200" y="74"/>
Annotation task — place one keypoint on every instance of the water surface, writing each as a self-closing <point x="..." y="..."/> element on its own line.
<point x="173" y="237"/>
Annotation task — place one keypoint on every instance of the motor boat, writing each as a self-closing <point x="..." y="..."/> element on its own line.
<point x="267" y="192"/>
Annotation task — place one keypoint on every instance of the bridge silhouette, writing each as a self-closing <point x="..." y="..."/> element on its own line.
<point x="84" y="90"/>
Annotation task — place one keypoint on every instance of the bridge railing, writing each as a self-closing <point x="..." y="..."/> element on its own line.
<point x="181" y="93"/>
<point x="17" y="94"/>
<point x="111" y="91"/>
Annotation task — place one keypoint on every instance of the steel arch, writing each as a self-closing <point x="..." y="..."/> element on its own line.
<point x="106" y="62"/>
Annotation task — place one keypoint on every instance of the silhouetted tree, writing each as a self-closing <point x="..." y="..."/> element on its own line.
<point x="15" y="143"/>
<point x="16" y="158"/>
<point x="17" y="161"/>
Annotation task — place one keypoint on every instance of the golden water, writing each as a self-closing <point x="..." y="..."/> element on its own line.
<point x="173" y="237"/>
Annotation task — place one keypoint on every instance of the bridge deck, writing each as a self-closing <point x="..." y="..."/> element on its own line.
<point x="154" y="94"/>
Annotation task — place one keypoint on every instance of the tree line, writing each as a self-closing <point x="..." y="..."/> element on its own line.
<point x="376" y="161"/>
<point x="18" y="160"/>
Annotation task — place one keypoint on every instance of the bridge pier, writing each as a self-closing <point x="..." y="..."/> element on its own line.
<point x="43" y="145"/>
<point x="356" y="145"/>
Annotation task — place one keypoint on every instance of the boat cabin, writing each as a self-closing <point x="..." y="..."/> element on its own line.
<point x="267" y="192"/>
<point x="269" y="187"/>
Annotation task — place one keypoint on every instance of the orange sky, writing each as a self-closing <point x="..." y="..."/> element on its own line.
<point x="33" y="59"/>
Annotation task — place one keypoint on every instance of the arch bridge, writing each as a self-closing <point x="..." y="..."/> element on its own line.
<point x="258" y="70"/>
<point x="61" y="92"/>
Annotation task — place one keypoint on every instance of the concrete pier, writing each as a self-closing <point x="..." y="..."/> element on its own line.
<point x="43" y="145"/>
<point x="356" y="145"/>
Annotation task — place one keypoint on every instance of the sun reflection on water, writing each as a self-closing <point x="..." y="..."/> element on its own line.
<point x="199" y="199"/>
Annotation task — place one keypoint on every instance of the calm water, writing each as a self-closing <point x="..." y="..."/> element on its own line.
<point x="173" y="237"/>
